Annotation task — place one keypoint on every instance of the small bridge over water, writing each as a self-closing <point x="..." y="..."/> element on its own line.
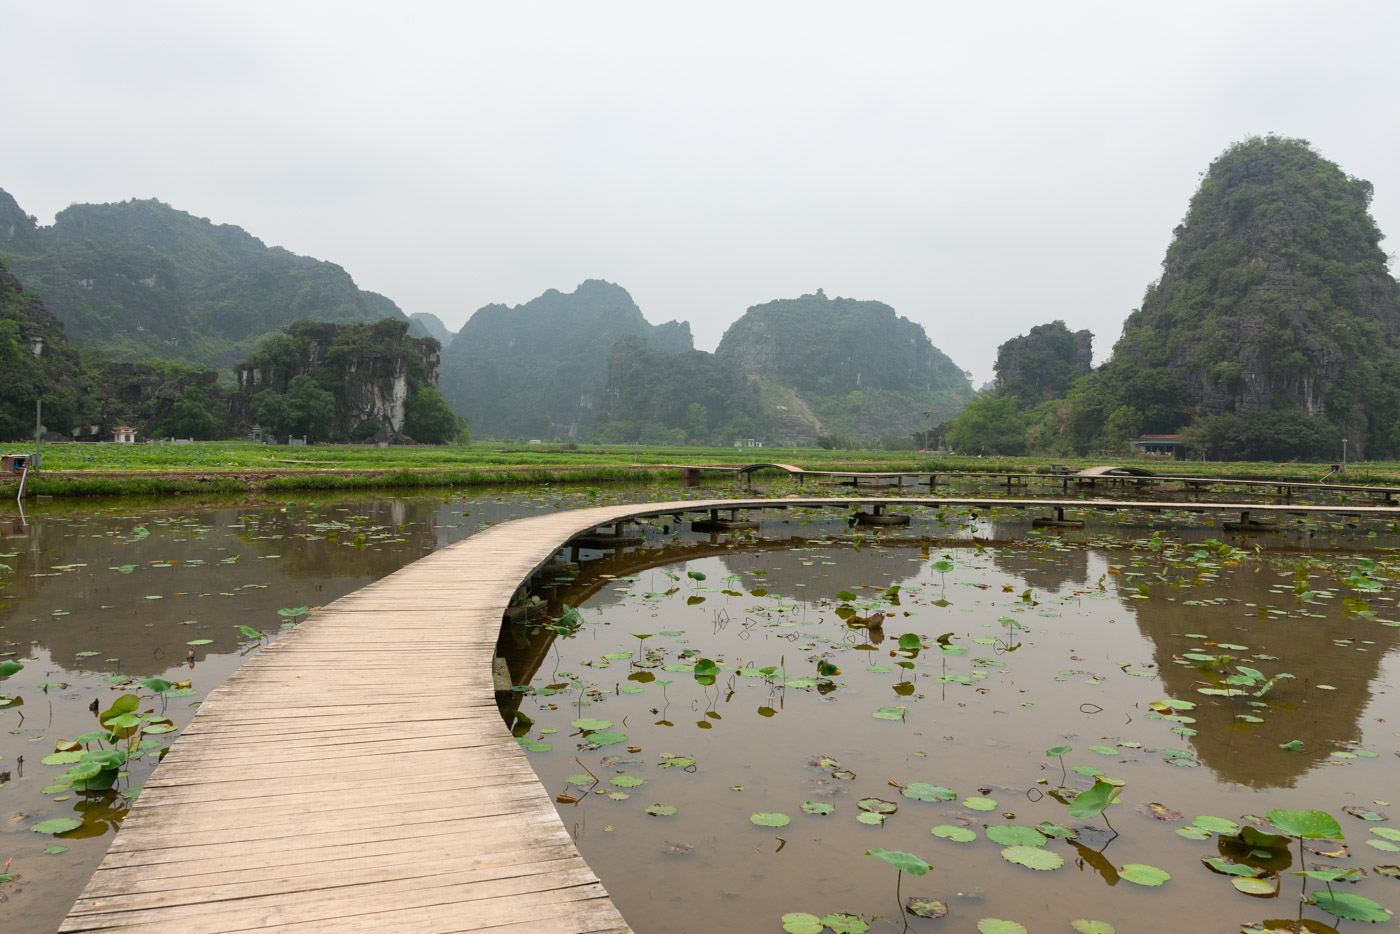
<point x="1109" y="477"/>
<point x="357" y="775"/>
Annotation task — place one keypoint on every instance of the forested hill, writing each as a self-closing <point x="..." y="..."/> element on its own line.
<point x="1273" y="333"/>
<point x="1274" y="300"/>
<point x="537" y="370"/>
<point x="843" y="367"/>
<point x="140" y="279"/>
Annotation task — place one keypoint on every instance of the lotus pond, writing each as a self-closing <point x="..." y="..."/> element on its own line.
<point x="1151" y="725"/>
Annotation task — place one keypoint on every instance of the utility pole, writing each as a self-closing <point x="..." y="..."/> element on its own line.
<point x="38" y="429"/>
<point x="1344" y="455"/>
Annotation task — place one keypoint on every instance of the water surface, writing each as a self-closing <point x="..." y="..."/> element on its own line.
<point x="1047" y="640"/>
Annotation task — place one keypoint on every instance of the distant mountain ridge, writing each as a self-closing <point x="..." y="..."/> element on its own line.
<point x="587" y="365"/>
<point x="140" y="279"/>
<point x="538" y="370"/>
<point x="424" y="324"/>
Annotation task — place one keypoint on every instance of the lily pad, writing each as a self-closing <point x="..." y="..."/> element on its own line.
<point x="770" y="819"/>
<point x="605" y="738"/>
<point x="1093" y="927"/>
<point x="1142" y="874"/>
<point x="1032" y="857"/>
<point x="1216" y="825"/>
<point x="799" y="922"/>
<point x="1316" y="825"/>
<point x="843" y="923"/>
<point x="922" y="791"/>
<point x="979" y="803"/>
<point x="998" y="926"/>
<point x="1347" y="905"/>
<point x="904" y="862"/>
<point x="56" y="825"/>
<point x="817" y="807"/>
<point x="925" y="907"/>
<point x="956" y="834"/>
<point x="1251" y="886"/>
<point x="1014" y="835"/>
<point x="661" y="810"/>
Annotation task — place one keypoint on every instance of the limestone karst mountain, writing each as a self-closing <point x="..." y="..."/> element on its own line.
<point x="841" y="366"/>
<point x="1275" y="304"/>
<point x="538" y="370"/>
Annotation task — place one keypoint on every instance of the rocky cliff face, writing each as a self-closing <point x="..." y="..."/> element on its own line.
<point x="1043" y="363"/>
<point x="370" y="369"/>
<point x="1274" y="293"/>
<point x="39" y="329"/>
<point x="537" y="370"/>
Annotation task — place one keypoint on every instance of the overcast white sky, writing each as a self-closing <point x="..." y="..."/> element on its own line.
<point x="983" y="168"/>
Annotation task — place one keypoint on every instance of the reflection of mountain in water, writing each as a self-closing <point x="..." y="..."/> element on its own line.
<point x="789" y="555"/>
<point x="1049" y="570"/>
<point x="1233" y="749"/>
<point x="1323" y="719"/>
<point x="820" y="572"/>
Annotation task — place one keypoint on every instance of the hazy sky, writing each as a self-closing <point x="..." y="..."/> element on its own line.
<point x="983" y="168"/>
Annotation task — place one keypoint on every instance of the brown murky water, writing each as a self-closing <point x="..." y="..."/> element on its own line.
<point x="1100" y="626"/>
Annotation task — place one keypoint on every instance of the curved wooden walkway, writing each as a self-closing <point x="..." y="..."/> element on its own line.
<point x="357" y="775"/>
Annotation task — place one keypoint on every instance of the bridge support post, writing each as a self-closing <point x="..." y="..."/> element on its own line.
<point x="878" y="516"/>
<point x="716" y="524"/>
<point x="1057" y="521"/>
<point x="1246" y="524"/>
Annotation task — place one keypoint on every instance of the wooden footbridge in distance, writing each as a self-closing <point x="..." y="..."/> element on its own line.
<point x="357" y="775"/>
<point x="1109" y="477"/>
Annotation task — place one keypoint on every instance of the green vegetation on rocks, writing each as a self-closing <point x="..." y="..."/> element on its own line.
<point x="1274" y="303"/>
<point x="1273" y="333"/>
<point x="351" y="382"/>
<point x="141" y="279"/>
<point x="37" y="361"/>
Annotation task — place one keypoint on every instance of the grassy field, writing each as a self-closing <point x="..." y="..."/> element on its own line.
<point x="237" y="466"/>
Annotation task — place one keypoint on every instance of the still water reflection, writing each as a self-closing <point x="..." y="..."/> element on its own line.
<point x="1050" y="640"/>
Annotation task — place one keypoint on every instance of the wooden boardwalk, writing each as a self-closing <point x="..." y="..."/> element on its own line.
<point x="357" y="775"/>
<point x="1090" y="477"/>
